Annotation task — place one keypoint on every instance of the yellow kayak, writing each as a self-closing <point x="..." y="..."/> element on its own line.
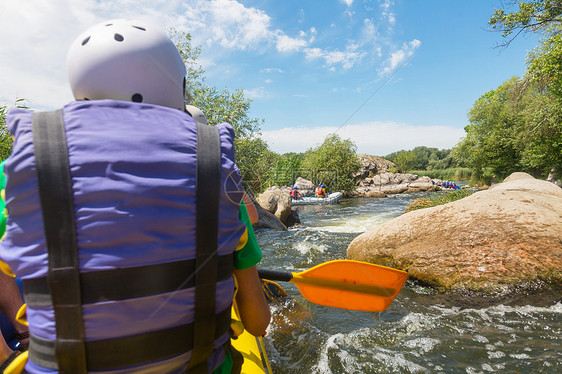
<point x="250" y="347"/>
<point x="252" y="350"/>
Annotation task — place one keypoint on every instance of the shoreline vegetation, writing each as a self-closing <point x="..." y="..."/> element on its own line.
<point x="439" y="199"/>
<point x="452" y="174"/>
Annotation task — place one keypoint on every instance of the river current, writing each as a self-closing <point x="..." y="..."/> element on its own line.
<point x="421" y="332"/>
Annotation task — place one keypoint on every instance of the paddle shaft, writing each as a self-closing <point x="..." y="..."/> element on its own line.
<point x="325" y="283"/>
<point x="275" y="275"/>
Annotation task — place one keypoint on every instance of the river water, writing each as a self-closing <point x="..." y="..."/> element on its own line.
<point x="421" y="332"/>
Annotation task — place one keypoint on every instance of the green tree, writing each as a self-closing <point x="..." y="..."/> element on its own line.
<point x="519" y="125"/>
<point x="424" y="158"/>
<point x="542" y="91"/>
<point x="529" y="16"/>
<point x="540" y="136"/>
<point x="516" y="127"/>
<point x="5" y="136"/>
<point x="404" y="160"/>
<point x="494" y="122"/>
<point x="195" y="73"/>
<point x="287" y="169"/>
<point x="255" y="161"/>
<point x="224" y="106"/>
<point x="333" y="163"/>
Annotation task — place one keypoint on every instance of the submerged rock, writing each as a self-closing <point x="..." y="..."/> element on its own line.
<point x="267" y="220"/>
<point x="495" y="241"/>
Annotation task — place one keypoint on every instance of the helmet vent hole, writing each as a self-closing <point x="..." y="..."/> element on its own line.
<point x="140" y="28"/>
<point x="137" y="98"/>
<point x="118" y="37"/>
<point x="109" y="24"/>
<point x="86" y="99"/>
<point x="85" y="40"/>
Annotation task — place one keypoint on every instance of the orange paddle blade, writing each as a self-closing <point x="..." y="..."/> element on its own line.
<point x="352" y="285"/>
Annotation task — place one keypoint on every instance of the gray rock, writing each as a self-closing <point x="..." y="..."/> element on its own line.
<point x="268" y="220"/>
<point x="306" y="187"/>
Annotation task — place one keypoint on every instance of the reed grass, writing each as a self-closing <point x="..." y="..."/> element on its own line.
<point x="439" y="198"/>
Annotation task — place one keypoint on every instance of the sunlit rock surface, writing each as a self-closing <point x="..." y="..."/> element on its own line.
<point x="505" y="238"/>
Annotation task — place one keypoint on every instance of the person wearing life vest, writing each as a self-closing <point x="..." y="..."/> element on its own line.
<point x="295" y="193"/>
<point x="320" y="191"/>
<point x="125" y="219"/>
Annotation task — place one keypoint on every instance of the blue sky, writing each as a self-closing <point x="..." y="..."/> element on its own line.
<point x="388" y="75"/>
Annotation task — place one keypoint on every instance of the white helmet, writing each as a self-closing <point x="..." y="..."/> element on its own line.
<point x="196" y="114"/>
<point x="129" y="61"/>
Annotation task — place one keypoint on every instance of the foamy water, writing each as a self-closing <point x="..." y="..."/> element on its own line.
<point x="421" y="332"/>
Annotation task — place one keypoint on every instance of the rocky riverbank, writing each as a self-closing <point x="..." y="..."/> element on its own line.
<point x="387" y="183"/>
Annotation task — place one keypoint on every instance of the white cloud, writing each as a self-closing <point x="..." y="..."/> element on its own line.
<point x="369" y="30"/>
<point x="285" y="43"/>
<point x="347" y="2"/>
<point x="387" y="13"/>
<point x="271" y="70"/>
<point x="376" y="138"/>
<point x="398" y="57"/>
<point x="256" y="93"/>
<point x="347" y="58"/>
<point x="237" y="27"/>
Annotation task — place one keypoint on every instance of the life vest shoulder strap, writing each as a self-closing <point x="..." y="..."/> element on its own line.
<point x="55" y="194"/>
<point x="208" y="195"/>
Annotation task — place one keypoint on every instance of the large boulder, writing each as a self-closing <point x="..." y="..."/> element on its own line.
<point x="372" y="165"/>
<point x="305" y="187"/>
<point x="495" y="241"/>
<point x="276" y="200"/>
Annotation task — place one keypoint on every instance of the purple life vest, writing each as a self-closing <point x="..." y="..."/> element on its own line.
<point x="133" y="179"/>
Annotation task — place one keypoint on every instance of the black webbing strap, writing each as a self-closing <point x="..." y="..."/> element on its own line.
<point x="127" y="283"/>
<point x="112" y="354"/>
<point x="208" y="193"/>
<point x="55" y="193"/>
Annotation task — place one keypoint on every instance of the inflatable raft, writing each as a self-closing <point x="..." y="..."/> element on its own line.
<point x="332" y="198"/>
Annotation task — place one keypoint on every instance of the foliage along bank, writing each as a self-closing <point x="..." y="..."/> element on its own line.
<point x="518" y="126"/>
